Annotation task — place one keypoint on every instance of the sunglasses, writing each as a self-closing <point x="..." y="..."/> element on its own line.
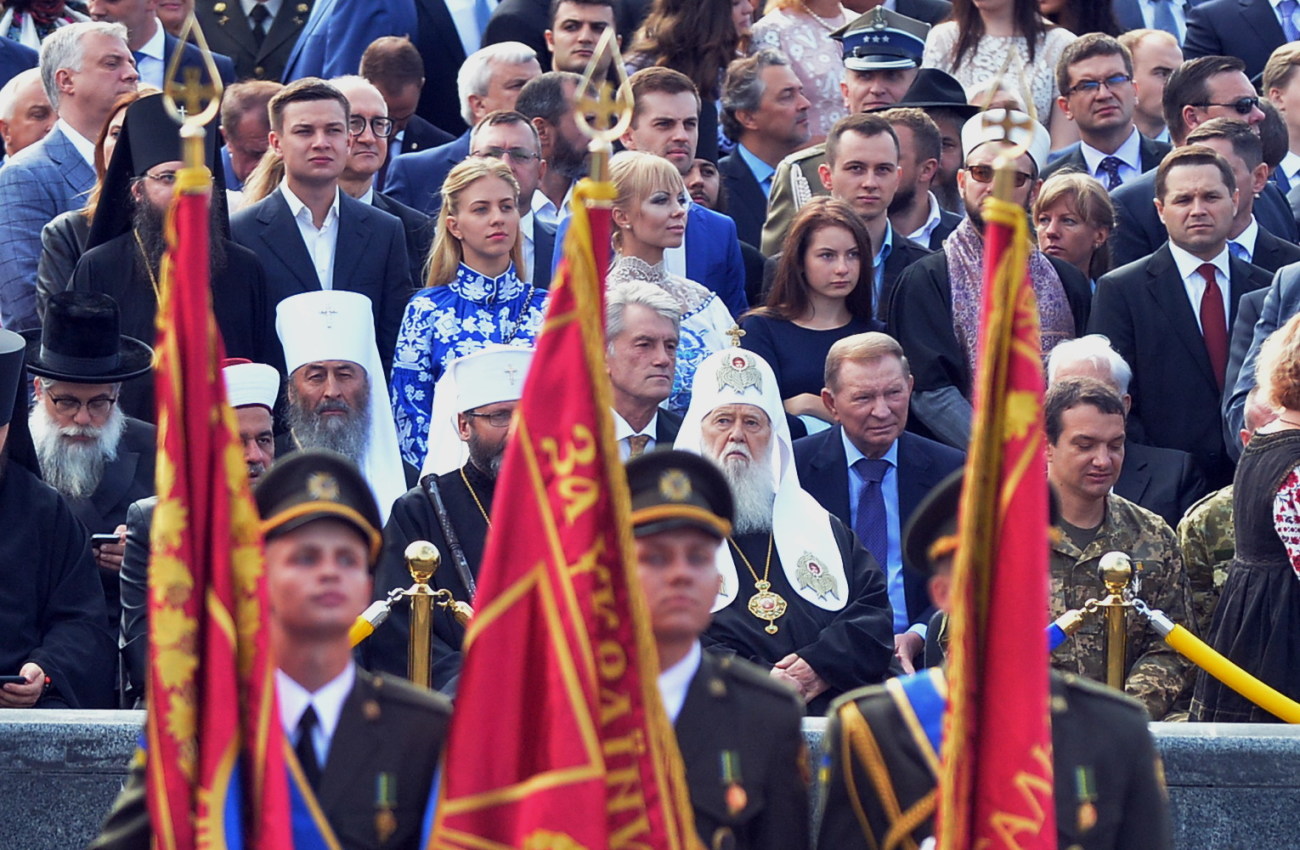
<point x="984" y="174"/>
<point x="1242" y="105"/>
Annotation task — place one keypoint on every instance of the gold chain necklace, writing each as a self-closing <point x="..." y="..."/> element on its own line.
<point x="144" y="258"/>
<point x="474" y="496"/>
<point x="765" y="605"/>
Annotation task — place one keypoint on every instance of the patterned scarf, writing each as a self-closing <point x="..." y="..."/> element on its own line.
<point x="964" y="249"/>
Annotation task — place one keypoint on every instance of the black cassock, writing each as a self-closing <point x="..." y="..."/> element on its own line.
<point x="52" y="607"/>
<point x="413" y="518"/>
<point x="848" y="648"/>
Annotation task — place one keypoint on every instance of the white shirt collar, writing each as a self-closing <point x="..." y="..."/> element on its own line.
<point x="272" y="7"/>
<point x="546" y="210"/>
<point x="852" y="454"/>
<point x="1129" y="153"/>
<point x="1248" y="236"/>
<point x="369" y="196"/>
<point x="153" y="48"/>
<point x="622" y="430"/>
<point x="296" y="204"/>
<point x="676" y="681"/>
<point x="1291" y="165"/>
<point x="922" y="234"/>
<point x="83" y="146"/>
<point x="328" y="702"/>
<point x="1188" y="265"/>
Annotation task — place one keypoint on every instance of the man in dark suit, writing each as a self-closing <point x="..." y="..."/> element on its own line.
<point x="1164" y="481"/>
<point x="644" y="326"/>
<point x="738" y="730"/>
<point x="1249" y="29"/>
<point x="1201" y="89"/>
<point x="1095" y="76"/>
<point x="370" y="128"/>
<point x="351" y="730"/>
<point x="258" y="43"/>
<point x="871" y="473"/>
<point x="489" y="81"/>
<point x="765" y="113"/>
<point x="1168" y="314"/>
<point x="309" y="235"/>
<point x="1242" y="149"/>
<point x="153" y="46"/>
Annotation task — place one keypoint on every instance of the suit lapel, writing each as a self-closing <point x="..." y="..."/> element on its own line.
<point x="543" y="249"/>
<point x="348" y="755"/>
<point x="1166" y="289"/>
<point x="322" y="9"/>
<point x="283" y="26"/>
<point x="1239" y="283"/>
<point x="700" y="725"/>
<point x="353" y="239"/>
<point x="830" y="484"/>
<point x="75" y="170"/>
<point x="237" y="28"/>
<point x="118" y="477"/>
<point x="1258" y="14"/>
<point x="281" y="236"/>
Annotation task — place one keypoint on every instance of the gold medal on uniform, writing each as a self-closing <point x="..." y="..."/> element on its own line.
<point x="735" y="795"/>
<point x="1086" y="818"/>
<point x="385" y="820"/>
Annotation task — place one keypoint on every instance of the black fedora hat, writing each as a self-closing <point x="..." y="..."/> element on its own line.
<point x="80" y="342"/>
<point x="934" y="89"/>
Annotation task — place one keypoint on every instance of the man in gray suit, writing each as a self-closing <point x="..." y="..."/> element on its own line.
<point x="54" y="175"/>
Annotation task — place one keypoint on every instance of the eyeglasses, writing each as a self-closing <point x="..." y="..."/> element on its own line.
<point x="984" y="174"/>
<point x="497" y="419"/>
<point x="516" y="154"/>
<point x="381" y="127"/>
<point x="167" y="178"/>
<point x="1242" y="105"/>
<point x="66" y="405"/>
<point x="1092" y="87"/>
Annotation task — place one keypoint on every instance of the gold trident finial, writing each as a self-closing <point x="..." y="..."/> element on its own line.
<point x="610" y="108"/>
<point x="192" y="103"/>
<point x="1010" y="122"/>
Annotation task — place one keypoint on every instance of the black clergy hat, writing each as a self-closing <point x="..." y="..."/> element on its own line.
<point x="80" y="342"/>
<point x="674" y="489"/>
<point x="934" y="89"/>
<point x="12" y="347"/>
<point x="314" y="484"/>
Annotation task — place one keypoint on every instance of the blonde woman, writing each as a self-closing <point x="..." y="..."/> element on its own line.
<point x="650" y="217"/>
<point x="473" y="296"/>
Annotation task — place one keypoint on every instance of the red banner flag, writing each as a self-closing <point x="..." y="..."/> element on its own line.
<point x="215" y="770"/>
<point x="995" y="787"/>
<point x="560" y="740"/>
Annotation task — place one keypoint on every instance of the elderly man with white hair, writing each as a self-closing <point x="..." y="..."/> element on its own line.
<point x="800" y="595"/>
<point x="1164" y="481"/>
<point x="25" y="112"/>
<point x="936" y="307"/>
<point x="451" y="507"/>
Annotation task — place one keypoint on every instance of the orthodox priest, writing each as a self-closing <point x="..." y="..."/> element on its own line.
<point x="127" y="240"/>
<point x="451" y="507"/>
<point x="800" y="594"/>
<point x="52" y="612"/>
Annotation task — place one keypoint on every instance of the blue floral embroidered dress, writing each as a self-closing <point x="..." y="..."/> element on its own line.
<point x="443" y="323"/>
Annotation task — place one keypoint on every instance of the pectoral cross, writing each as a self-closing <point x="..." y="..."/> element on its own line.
<point x="735" y="333"/>
<point x="511" y="372"/>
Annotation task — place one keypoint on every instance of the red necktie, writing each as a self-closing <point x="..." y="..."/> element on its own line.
<point x="1214" y="324"/>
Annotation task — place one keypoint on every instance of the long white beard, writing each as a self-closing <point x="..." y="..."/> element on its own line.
<point x="753" y="492"/>
<point x="72" y="467"/>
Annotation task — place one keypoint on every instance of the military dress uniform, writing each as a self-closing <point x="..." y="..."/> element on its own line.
<point x="1156" y="672"/>
<point x="230" y="32"/>
<point x="795" y="183"/>
<point x="882" y="746"/>
<point x="1207" y="541"/>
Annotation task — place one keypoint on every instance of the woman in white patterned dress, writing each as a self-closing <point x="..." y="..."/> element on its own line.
<point x="801" y="29"/>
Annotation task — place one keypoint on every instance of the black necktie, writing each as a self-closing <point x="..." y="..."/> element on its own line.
<point x="259" y="16"/>
<point x="305" y="750"/>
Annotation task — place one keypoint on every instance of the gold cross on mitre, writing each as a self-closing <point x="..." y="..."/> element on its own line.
<point x="735" y="333"/>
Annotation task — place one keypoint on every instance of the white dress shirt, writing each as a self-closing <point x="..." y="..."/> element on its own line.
<point x="321" y="241"/>
<point x="1291" y="166"/>
<point x="149" y="59"/>
<point x="465" y="18"/>
<point x="530" y="251"/>
<point x="547" y="213"/>
<point x="1194" y="283"/>
<point x="1129" y="155"/>
<point x="1246" y="239"/>
<point x="328" y="702"/>
<point x="676" y="681"/>
<point x="83" y="146"/>
<point x="623" y="432"/>
<point x="272" y="9"/>
<point x="921" y="235"/>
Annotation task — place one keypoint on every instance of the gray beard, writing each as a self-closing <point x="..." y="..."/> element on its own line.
<point x="754" y="495"/>
<point x="73" y="468"/>
<point x="348" y="435"/>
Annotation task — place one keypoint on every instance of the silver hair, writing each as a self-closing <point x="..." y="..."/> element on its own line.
<point x="349" y="82"/>
<point x="64" y="48"/>
<point x="1095" y="349"/>
<point x="743" y="88"/>
<point x="619" y="296"/>
<point x="475" y="73"/>
<point x="9" y="93"/>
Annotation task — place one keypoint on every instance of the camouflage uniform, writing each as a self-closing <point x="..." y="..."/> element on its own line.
<point x="1156" y="673"/>
<point x="1207" y="541"/>
<point x="795" y="183"/>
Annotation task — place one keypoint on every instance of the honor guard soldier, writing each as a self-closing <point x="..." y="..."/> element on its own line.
<point x="1108" y="797"/>
<point x="738" y="730"/>
<point x="367" y="745"/>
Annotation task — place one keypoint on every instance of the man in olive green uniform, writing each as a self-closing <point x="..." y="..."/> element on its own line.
<point x="883" y="741"/>
<point x="1085" y="451"/>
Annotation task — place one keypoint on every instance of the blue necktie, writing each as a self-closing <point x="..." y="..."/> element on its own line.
<point x="871" y="523"/>
<point x="1239" y="251"/>
<point x="1280" y="178"/>
<point x="1164" y="19"/>
<point x="1110" y="167"/>
<point x="1286" y="12"/>
<point x="483" y="12"/>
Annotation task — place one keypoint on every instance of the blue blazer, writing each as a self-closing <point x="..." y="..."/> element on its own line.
<point x="370" y="258"/>
<point x="14" y="59"/>
<point x="1280" y="302"/>
<point x="1247" y="29"/>
<point x="337" y="32"/>
<point x="36" y="184"/>
<point x="415" y="179"/>
<point x="824" y="472"/>
<point x="713" y="257"/>
<point x="193" y="58"/>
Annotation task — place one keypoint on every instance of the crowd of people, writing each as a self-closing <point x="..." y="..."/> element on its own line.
<point x="794" y="295"/>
